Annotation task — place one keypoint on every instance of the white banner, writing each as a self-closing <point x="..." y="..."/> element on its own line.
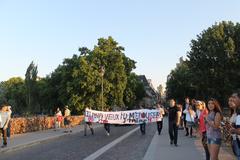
<point x="122" y="117"/>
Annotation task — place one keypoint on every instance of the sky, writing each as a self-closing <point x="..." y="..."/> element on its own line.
<point x="155" y="33"/>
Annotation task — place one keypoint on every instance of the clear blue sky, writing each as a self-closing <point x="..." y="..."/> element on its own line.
<point x="155" y="33"/>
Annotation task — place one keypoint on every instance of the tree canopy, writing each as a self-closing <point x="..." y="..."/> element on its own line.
<point x="212" y="65"/>
<point x="77" y="82"/>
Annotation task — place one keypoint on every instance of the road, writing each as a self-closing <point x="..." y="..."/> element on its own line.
<point x="124" y="143"/>
<point x="78" y="146"/>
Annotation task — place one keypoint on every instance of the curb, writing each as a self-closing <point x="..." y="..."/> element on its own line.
<point x="39" y="141"/>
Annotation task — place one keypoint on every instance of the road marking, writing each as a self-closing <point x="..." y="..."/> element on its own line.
<point x="110" y="145"/>
<point x="152" y="148"/>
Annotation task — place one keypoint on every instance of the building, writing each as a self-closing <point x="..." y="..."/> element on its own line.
<point x="152" y="95"/>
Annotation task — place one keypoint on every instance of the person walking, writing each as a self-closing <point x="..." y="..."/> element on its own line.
<point x="160" y="119"/>
<point x="201" y="106"/>
<point x="9" y="110"/>
<point x="88" y="124"/>
<point x="143" y="123"/>
<point x="58" y="119"/>
<point x="173" y="122"/>
<point x="190" y="118"/>
<point x="4" y="123"/>
<point x="186" y="106"/>
<point x="213" y="122"/>
<point x="67" y="114"/>
<point x="107" y="126"/>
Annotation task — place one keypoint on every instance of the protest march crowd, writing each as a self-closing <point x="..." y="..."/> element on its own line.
<point x="196" y="117"/>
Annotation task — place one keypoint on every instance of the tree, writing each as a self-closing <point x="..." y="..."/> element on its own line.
<point x="13" y="93"/>
<point x="212" y="64"/>
<point x="30" y="83"/>
<point x="134" y="91"/>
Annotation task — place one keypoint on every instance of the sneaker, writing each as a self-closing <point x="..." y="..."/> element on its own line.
<point x="108" y="134"/>
<point x="171" y="142"/>
<point x="187" y="134"/>
<point x="4" y="146"/>
<point x="176" y="145"/>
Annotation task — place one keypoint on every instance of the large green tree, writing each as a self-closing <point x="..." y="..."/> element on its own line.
<point x="213" y="63"/>
<point x="13" y="93"/>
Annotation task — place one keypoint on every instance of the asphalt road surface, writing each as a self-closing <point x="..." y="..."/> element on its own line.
<point x="77" y="146"/>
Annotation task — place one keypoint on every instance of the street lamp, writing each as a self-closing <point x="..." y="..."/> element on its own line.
<point x="102" y="71"/>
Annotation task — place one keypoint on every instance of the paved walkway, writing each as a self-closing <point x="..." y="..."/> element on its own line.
<point x="189" y="148"/>
<point x="25" y="140"/>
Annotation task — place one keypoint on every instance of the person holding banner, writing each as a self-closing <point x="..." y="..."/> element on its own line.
<point x="143" y="123"/>
<point x="89" y="124"/>
<point x="160" y="119"/>
<point x="107" y="126"/>
<point x="174" y="115"/>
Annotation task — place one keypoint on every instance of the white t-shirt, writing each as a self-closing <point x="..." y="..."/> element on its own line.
<point x="4" y="118"/>
<point x="161" y="113"/>
<point x="67" y="112"/>
<point x="189" y="118"/>
<point x="59" y="113"/>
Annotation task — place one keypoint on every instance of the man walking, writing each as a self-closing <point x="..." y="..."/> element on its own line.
<point x="173" y="122"/>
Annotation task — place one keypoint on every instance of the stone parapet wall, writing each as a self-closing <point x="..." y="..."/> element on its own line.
<point x="38" y="123"/>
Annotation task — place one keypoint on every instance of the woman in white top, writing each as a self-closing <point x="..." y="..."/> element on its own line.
<point x="160" y="119"/>
<point x="234" y="104"/>
<point x="190" y="118"/>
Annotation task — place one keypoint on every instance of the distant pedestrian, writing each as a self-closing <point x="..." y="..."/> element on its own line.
<point x="107" y="126"/>
<point x="160" y="119"/>
<point x="190" y="118"/>
<point x="143" y="123"/>
<point x="58" y="119"/>
<point x="67" y="114"/>
<point x="201" y="106"/>
<point x="181" y="125"/>
<point x="186" y="106"/>
<point x="173" y="122"/>
<point x="213" y="121"/>
<point x="88" y="124"/>
<point x="9" y="110"/>
<point x="4" y="124"/>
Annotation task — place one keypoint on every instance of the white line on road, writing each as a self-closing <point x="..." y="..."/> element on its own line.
<point x="110" y="145"/>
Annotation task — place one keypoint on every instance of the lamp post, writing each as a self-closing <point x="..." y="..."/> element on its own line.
<point x="102" y="71"/>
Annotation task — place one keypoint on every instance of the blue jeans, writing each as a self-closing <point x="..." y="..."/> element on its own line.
<point x="236" y="148"/>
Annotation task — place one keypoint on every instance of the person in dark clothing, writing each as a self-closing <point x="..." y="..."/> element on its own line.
<point x="107" y="128"/>
<point x="173" y="122"/>
<point x="89" y="124"/>
<point x="143" y="123"/>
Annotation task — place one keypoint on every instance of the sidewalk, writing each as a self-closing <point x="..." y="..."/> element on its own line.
<point x="28" y="139"/>
<point x="189" y="148"/>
